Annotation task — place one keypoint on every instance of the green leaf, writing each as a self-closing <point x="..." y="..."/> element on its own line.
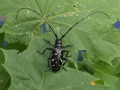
<point x="116" y="64"/>
<point x="22" y="39"/>
<point x="106" y="68"/>
<point x="96" y="35"/>
<point x="117" y="85"/>
<point x="1" y="39"/>
<point x="93" y="34"/>
<point x="4" y="76"/>
<point x="108" y="80"/>
<point x="27" y="72"/>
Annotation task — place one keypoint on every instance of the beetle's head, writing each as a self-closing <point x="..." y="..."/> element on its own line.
<point x="58" y="43"/>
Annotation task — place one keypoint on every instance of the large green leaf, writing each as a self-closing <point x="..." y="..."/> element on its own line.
<point x="27" y="72"/>
<point x="96" y="35"/>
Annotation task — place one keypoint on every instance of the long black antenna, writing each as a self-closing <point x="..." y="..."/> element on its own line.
<point x="82" y="20"/>
<point x="39" y="15"/>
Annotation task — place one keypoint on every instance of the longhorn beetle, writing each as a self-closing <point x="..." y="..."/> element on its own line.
<point x="58" y="49"/>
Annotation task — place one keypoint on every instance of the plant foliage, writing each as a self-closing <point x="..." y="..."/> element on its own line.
<point x="99" y="69"/>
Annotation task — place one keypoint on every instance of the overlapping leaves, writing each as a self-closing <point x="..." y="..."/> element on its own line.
<point x="95" y="35"/>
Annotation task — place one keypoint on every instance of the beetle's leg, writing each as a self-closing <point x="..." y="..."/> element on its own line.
<point x="67" y="53"/>
<point x="67" y="46"/>
<point x="48" y="42"/>
<point x="44" y="50"/>
<point x="64" y="68"/>
<point x="66" y="60"/>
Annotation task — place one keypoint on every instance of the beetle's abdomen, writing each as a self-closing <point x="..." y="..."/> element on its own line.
<point x="56" y="64"/>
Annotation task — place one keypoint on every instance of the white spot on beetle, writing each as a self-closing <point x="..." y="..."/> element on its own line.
<point x="59" y="44"/>
<point x="53" y="65"/>
<point x="52" y="59"/>
<point x="55" y="53"/>
<point x="56" y="62"/>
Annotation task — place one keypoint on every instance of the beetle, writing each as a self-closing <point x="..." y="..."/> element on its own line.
<point x="58" y="50"/>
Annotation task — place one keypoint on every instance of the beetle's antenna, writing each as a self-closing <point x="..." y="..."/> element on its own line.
<point x="82" y="20"/>
<point x="39" y="15"/>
